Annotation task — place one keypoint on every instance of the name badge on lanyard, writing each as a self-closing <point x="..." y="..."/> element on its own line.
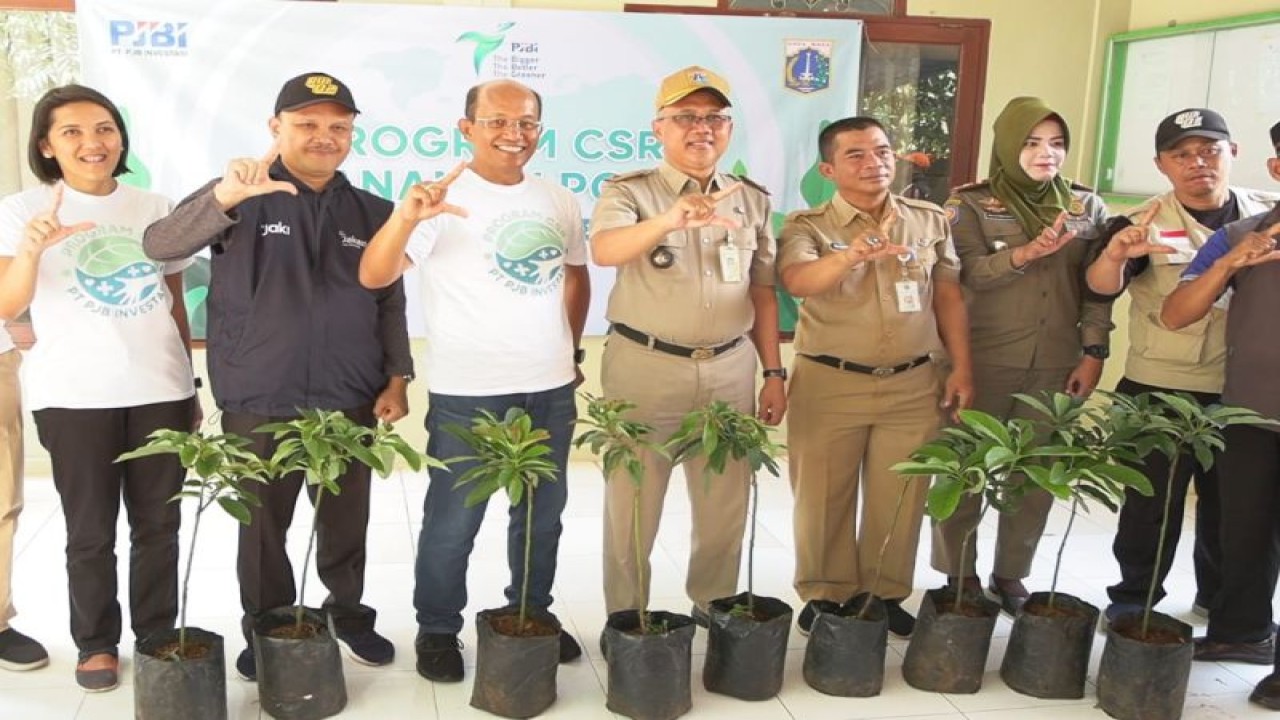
<point x="908" y="290"/>
<point x="730" y="262"/>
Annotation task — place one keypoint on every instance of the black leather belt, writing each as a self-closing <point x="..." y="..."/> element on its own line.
<point x="697" y="353"/>
<point x="839" y="364"/>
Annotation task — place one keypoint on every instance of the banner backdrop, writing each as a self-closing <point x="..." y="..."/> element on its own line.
<point x="198" y="82"/>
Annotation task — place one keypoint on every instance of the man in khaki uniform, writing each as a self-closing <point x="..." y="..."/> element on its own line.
<point x="695" y="259"/>
<point x="1151" y="246"/>
<point x="881" y="287"/>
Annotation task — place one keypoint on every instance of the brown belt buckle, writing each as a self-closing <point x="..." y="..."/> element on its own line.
<point x="881" y="372"/>
<point x="702" y="353"/>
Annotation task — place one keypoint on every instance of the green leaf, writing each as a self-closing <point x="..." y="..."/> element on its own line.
<point x="943" y="498"/>
<point x="235" y="509"/>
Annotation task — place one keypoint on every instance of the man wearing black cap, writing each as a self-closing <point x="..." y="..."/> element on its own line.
<point x="290" y="327"/>
<point x="1151" y="246"/>
<point x="1242" y="257"/>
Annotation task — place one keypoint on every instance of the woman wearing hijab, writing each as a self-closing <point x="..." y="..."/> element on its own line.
<point x="111" y="365"/>
<point x="1024" y="237"/>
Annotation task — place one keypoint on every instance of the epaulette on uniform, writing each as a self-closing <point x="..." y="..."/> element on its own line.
<point x="919" y="204"/>
<point x="632" y="175"/>
<point x="1262" y="196"/>
<point x="808" y="212"/>
<point x="970" y="186"/>
<point x="749" y="182"/>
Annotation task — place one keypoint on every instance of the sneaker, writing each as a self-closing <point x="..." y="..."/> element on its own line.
<point x="809" y="613"/>
<point x="439" y="657"/>
<point x="570" y="650"/>
<point x="901" y="622"/>
<point x="700" y="617"/>
<point x="1261" y="652"/>
<point x="247" y="665"/>
<point x="368" y="647"/>
<point x="99" y="672"/>
<point x="1115" y="611"/>
<point x="21" y="653"/>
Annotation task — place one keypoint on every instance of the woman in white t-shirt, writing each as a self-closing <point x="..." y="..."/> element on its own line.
<point x="110" y="364"/>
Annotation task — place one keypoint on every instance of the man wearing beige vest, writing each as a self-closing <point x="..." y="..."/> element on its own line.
<point x="692" y="308"/>
<point x="881" y="286"/>
<point x="1148" y="251"/>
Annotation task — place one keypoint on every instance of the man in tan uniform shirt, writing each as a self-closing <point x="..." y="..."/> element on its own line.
<point x="695" y="259"/>
<point x="881" y="287"/>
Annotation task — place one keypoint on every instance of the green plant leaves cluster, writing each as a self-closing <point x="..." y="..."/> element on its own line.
<point x="222" y="466"/>
<point x="509" y="454"/>
<point x="720" y="432"/>
<point x="614" y="439"/>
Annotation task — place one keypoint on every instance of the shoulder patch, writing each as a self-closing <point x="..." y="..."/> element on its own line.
<point x="749" y="182"/>
<point x="620" y="177"/>
<point x="919" y="204"/>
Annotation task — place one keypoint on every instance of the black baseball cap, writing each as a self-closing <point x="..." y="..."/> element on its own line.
<point x="312" y="88"/>
<point x="1191" y="122"/>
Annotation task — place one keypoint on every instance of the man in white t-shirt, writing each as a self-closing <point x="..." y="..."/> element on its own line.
<point x="505" y="292"/>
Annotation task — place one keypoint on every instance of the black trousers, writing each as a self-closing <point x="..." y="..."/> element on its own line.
<point x="1250" y="535"/>
<point x="83" y="445"/>
<point x="1138" y="530"/>
<point x="266" y="575"/>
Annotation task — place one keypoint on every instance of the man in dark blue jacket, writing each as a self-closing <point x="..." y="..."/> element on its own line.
<point x="290" y="328"/>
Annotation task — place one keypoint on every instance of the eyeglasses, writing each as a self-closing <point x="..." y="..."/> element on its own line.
<point x="714" y="121"/>
<point x="1208" y="152"/>
<point x="500" y="124"/>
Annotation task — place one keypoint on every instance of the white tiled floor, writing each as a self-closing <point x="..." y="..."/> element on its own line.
<point x="1217" y="691"/>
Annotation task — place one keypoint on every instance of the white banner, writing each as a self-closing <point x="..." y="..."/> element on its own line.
<point x="198" y="82"/>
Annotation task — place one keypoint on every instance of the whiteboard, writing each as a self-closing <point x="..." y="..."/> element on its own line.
<point x="1234" y="70"/>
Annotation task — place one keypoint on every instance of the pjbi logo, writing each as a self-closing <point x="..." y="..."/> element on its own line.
<point x="148" y="37"/>
<point x="113" y="271"/>
<point x="528" y="253"/>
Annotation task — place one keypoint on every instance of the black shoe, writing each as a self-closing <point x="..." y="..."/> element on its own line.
<point x="247" y="665"/>
<point x="809" y="613"/>
<point x="439" y="657"/>
<point x="901" y="622"/>
<point x="1010" y="601"/>
<point x="700" y="617"/>
<point x="1261" y="652"/>
<point x="1267" y="692"/>
<point x="570" y="650"/>
<point x="368" y="647"/>
<point x="21" y="653"/>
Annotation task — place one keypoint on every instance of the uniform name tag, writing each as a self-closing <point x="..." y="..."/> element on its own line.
<point x="908" y="295"/>
<point x="730" y="263"/>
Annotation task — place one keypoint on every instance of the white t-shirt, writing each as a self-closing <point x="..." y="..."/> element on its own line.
<point x="493" y="287"/>
<point x="104" y="335"/>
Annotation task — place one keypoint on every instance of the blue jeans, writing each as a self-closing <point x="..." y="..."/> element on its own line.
<point x="449" y="528"/>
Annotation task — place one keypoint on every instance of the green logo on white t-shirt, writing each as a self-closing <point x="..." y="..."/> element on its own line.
<point x="114" y="276"/>
<point x="528" y="253"/>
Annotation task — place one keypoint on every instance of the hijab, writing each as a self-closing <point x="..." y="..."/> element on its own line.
<point x="1035" y="204"/>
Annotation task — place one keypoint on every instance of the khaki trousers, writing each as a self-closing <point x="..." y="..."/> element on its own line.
<point x="666" y="387"/>
<point x="844" y="431"/>
<point x="1019" y="532"/>
<point x="10" y="475"/>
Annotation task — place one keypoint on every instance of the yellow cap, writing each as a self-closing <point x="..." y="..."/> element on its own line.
<point x="682" y="83"/>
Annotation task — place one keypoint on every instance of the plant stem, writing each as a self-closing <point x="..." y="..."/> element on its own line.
<point x="1062" y="546"/>
<point x="884" y="547"/>
<point x="640" y="580"/>
<point x="964" y="552"/>
<point x="186" y="578"/>
<point x="751" y="549"/>
<point x="306" y="559"/>
<point x="528" y="553"/>
<point x="1164" y="527"/>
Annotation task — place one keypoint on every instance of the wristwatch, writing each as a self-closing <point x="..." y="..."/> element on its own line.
<point x="1101" y="352"/>
<point x="775" y="372"/>
<point x="408" y="377"/>
<point x="579" y="356"/>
